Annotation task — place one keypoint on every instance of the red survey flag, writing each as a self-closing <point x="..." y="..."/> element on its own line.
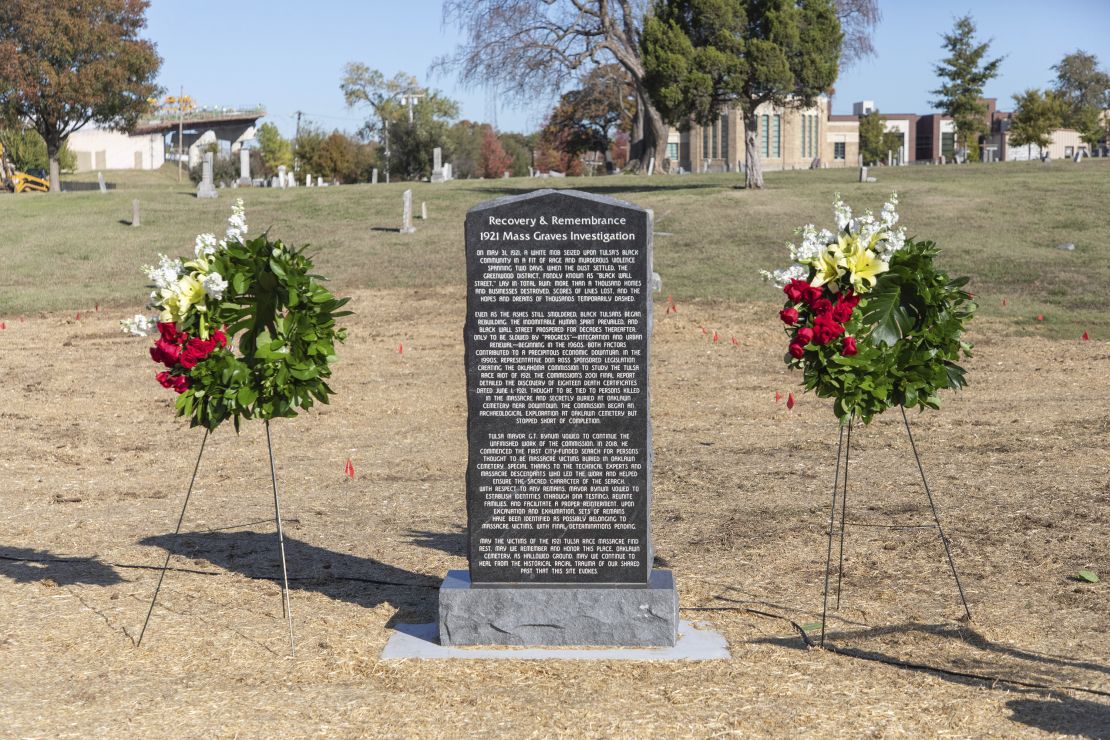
<point x="778" y="396"/>
<point x="349" y="470"/>
<point x="790" y="401"/>
<point x="715" y="337"/>
<point x="1086" y="337"/>
<point x="400" y="348"/>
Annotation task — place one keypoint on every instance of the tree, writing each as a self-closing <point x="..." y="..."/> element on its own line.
<point x="530" y="48"/>
<point x="964" y="73"/>
<point x="464" y="148"/>
<point x="306" y="149"/>
<point x="874" y="140"/>
<point x="592" y="115"/>
<point x="67" y="63"/>
<point x="519" y="147"/>
<point x="412" y="142"/>
<point x="364" y="86"/>
<point x="1036" y="116"/>
<point x="1084" y="90"/>
<point x="858" y="19"/>
<point x="703" y="55"/>
<point x="495" y="162"/>
<point x="274" y="149"/>
<point x="26" y="151"/>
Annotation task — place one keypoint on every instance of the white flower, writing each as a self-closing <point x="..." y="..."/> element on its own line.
<point x="205" y="245"/>
<point x="166" y="273"/>
<point x="214" y="284"/>
<point x="138" y="325"/>
<point x="781" y="277"/>
<point x="237" y="222"/>
<point x="813" y="243"/>
<point x="843" y="213"/>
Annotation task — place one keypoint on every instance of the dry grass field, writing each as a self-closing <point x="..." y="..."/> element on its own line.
<point x="94" y="466"/>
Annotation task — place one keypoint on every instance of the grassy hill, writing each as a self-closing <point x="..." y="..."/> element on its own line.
<point x="1001" y="224"/>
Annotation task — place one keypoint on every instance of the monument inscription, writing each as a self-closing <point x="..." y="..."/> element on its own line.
<point x="557" y="329"/>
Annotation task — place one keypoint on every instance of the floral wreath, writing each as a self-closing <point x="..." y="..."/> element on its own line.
<point x="872" y="323"/>
<point x="254" y="295"/>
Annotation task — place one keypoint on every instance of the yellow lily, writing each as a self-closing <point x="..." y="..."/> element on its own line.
<point x="180" y="297"/>
<point x="829" y="264"/>
<point x="863" y="267"/>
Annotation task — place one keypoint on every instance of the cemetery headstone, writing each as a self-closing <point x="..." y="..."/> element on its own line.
<point x="244" y="166"/>
<point x="274" y="182"/>
<point x="206" y="189"/>
<point x="862" y="174"/>
<point x="651" y="166"/>
<point x="100" y="181"/>
<point x="437" y="165"/>
<point x="559" y="472"/>
<point x="507" y="175"/>
<point x="134" y="212"/>
<point x="319" y="181"/>
<point x="308" y="181"/>
<point x="448" y="171"/>
<point x="374" y="176"/>
<point x="423" y="210"/>
<point x="406" y="213"/>
<point x="902" y="155"/>
<point x="281" y="176"/>
<point x="889" y="158"/>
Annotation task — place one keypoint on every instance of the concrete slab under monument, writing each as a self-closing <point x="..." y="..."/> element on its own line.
<point x="696" y="641"/>
<point x="624" y="615"/>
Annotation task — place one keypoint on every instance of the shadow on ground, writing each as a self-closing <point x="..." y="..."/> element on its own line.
<point x="363" y="581"/>
<point x="24" y="565"/>
<point x="670" y="187"/>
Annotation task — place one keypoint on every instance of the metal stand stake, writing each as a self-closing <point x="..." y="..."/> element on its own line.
<point x="176" y="531"/>
<point x="845" y="450"/>
<point x="288" y="613"/>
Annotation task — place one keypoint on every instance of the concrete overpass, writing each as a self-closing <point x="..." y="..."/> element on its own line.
<point x="204" y="127"/>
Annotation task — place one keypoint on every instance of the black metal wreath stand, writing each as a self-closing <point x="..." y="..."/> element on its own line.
<point x="287" y="613"/>
<point x="840" y="488"/>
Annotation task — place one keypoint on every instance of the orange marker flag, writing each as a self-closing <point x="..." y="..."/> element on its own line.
<point x="1086" y="337"/>
<point x="349" y="470"/>
<point x="790" y="401"/>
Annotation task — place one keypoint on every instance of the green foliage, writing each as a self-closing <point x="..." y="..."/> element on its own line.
<point x="285" y="322"/>
<point x="26" y="151"/>
<point x="274" y="149"/>
<point x="589" y="117"/>
<point x="224" y="169"/>
<point x="909" y="338"/>
<point x="964" y="73"/>
<point x="411" y="144"/>
<point x="519" y="148"/>
<point x="702" y="55"/>
<point x="66" y="63"/>
<point x="1084" y="89"/>
<point x="874" y="140"/>
<point x="1087" y="575"/>
<point x="1036" y="116"/>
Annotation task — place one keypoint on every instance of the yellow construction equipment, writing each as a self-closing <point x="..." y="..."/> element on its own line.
<point x="20" y="182"/>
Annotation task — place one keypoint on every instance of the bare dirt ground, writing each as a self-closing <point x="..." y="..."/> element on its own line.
<point x="93" y="467"/>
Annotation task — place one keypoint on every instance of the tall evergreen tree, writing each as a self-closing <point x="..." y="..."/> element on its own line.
<point x="703" y="55"/>
<point x="964" y="73"/>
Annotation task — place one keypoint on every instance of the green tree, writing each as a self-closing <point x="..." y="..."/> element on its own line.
<point x="412" y="142"/>
<point x="1036" y="116"/>
<point x="26" y="151"/>
<point x="874" y="140"/>
<point x="1084" y="90"/>
<point x="703" y="55"/>
<point x="274" y="149"/>
<point x="519" y="147"/>
<point x="363" y="86"/>
<point x="306" y="149"/>
<point x="67" y="63"/>
<point x="464" y="148"/>
<point x="964" y="73"/>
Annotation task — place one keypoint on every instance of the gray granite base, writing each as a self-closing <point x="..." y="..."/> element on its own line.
<point x="696" y="641"/>
<point x="625" y="616"/>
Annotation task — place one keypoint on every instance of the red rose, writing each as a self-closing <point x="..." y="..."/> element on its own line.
<point x="165" y="352"/>
<point x="165" y="379"/>
<point x="789" y="316"/>
<point x="219" y="338"/>
<point x="842" y="311"/>
<point x="821" y="306"/>
<point x="797" y="350"/>
<point x="195" y="351"/>
<point x="180" y="383"/>
<point x="850" y="298"/>
<point x="849" y="347"/>
<point x="796" y="290"/>
<point x="168" y="330"/>
<point x="804" y="335"/>
<point x="825" y="329"/>
<point x="813" y="294"/>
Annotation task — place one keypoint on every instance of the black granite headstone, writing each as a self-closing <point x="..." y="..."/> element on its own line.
<point x="557" y="335"/>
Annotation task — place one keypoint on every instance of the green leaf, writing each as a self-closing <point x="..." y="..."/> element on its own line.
<point x="1088" y="575"/>
<point x="884" y="310"/>
<point x="246" y="395"/>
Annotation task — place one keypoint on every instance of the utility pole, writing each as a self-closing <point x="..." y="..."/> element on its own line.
<point x="180" y="129"/>
<point x="296" y="138"/>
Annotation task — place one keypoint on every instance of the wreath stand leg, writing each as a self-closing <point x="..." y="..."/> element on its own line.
<point x="176" y="532"/>
<point x="286" y="611"/>
<point x="841" y="490"/>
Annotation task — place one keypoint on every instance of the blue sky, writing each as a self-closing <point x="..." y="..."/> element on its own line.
<point x="288" y="55"/>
